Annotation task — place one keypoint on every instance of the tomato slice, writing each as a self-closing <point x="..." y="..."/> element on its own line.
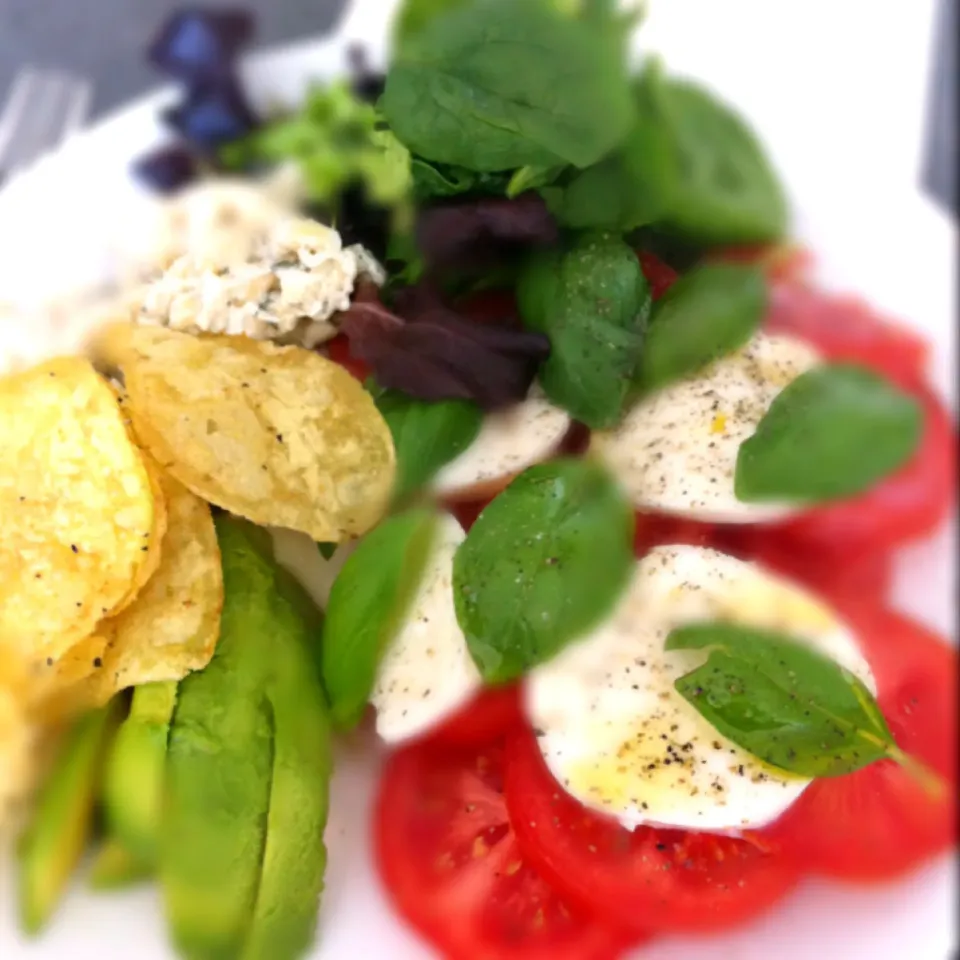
<point x="879" y="823"/>
<point x="908" y="505"/>
<point x="784" y="261"/>
<point x="338" y="350"/>
<point x="647" y="879"/>
<point x="490" y="715"/>
<point x="452" y="867"/>
<point x="845" y="328"/>
<point x="660" y="276"/>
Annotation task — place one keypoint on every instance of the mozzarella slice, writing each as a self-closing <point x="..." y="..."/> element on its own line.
<point x="427" y="672"/>
<point x="676" y="450"/>
<point x="509" y="441"/>
<point x="618" y="736"/>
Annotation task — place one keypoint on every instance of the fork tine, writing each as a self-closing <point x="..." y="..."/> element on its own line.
<point x="14" y="108"/>
<point x="44" y="107"/>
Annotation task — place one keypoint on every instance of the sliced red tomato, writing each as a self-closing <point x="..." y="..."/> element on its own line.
<point x="467" y="512"/>
<point x="490" y="715"/>
<point x="845" y="328"/>
<point x="659" y="529"/>
<point x="451" y="864"/>
<point x="837" y="574"/>
<point x="338" y="349"/>
<point x="660" y="277"/>
<point x="908" y="505"/>
<point x="649" y="879"/>
<point x="879" y="823"/>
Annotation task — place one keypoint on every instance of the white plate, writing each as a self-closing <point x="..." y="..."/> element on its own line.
<point x="837" y="92"/>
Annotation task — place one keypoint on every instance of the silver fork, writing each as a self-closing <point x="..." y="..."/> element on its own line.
<point x="43" y="108"/>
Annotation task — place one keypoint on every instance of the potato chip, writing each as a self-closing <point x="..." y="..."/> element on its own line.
<point x="77" y="511"/>
<point x="152" y="559"/>
<point x="47" y="680"/>
<point x="173" y="625"/>
<point x="279" y="435"/>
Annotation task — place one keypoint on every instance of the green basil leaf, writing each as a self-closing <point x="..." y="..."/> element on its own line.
<point x="499" y="85"/>
<point x="367" y="601"/>
<point x="709" y="312"/>
<point x="543" y="564"/>
<point x="532" y="178"/>
<point x="831" y="433"/>
<point x="632" y="186"/>
<point x="327" y="550"/>
<point x="783" y="701"/>
<point x="414" y="15"/>
<point x="592" y="300"/>
<point x="436" y="180"/>
<point x="728" y="192"/>
<point x="426" y="435"/>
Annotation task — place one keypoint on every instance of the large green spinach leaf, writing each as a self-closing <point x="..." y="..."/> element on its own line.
<point x="499" y="84"/>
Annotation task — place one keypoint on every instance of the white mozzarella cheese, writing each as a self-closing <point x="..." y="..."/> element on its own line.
<point x="426" y="673"/>
<point x="676" y="450"/>
<point x="509" y="441"/>
<point x="618" y="736"/>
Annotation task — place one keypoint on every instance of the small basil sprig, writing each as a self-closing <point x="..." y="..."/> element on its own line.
<point x="786" y="703"/>
<point x="544" y="562"/>
<point x="500" y="85"/>
<point x="426" y="435"/>
<point x="368" y="599"/>
<point x="831" y="433"/>
<point x="709" y="312"/>
<point x="592" y="300"/>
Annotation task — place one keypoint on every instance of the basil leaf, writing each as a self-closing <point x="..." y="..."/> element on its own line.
<point x="831" y="433"/>
<point x="530" y="178"/>
<point x="631" y="187"/>
<point x="592" y="300"/>
<point x="367" y="601"/>
<point x="709" y="312"/>
<point x="544" y="563"/>
<point x="499" y="85"/>
<point x="435" y="180"/>
<point x="426" y="435"/>
<point x="784" y="702"/>
<point x="727" y="192"/>
<point x="327" y="550"/>
<point x="414" y="15"/>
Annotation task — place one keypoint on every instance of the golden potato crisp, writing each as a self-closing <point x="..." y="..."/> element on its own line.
<point x="279" y="435"/>
<point x="172" y="627"/>
<point x="77" y="512"/>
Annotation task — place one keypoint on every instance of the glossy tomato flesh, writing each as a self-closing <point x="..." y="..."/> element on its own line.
<point x="491" y="714"/>
<point x="646" y="879"/>
<point x="880" y="823"/>
<point x="660" y="276"/>
<point x="452" y="867"/>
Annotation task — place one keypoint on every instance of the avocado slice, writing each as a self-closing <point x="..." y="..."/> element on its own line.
<point x="248" y="769"/>
<point x="133" y="776"/>
<point x="219" y="768"/>
<point x="57" y="835"/>
<point x="295" y="857"/>
<point x="114" y="867"/>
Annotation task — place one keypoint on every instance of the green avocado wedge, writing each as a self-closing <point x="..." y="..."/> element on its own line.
<point x="133" y="776"/>
<point x="114" y="867"/>
<point x="248" y="768"/>
<point x="56" y="837"/>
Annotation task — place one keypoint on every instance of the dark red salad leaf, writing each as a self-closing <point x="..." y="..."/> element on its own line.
<point x="212" y="113"/>
<point x="484" y="229"/>
<point x="167" y="169"/>
<point x="429" y="351"/>
<point x="196" y="44"/>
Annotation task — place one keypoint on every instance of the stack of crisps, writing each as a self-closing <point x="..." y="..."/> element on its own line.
<point x="109" y="568"/>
